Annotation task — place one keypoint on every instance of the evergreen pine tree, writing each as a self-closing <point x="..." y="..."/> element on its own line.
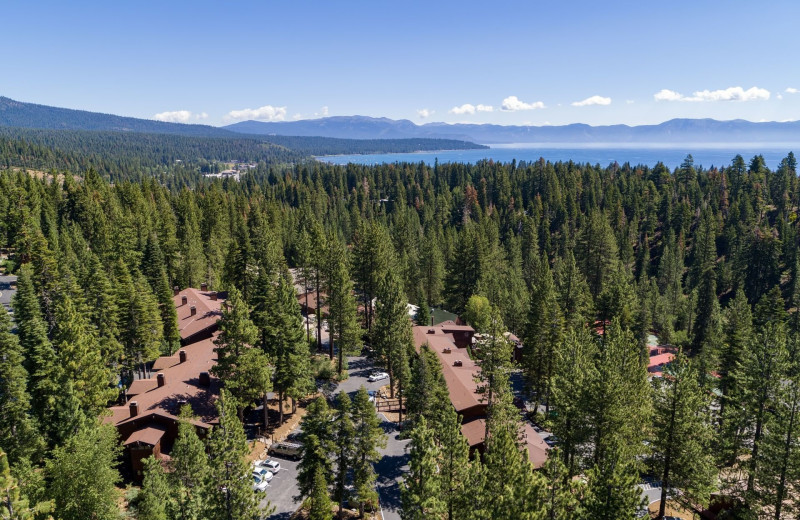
<point x="392" y="332"/>
<point x="320" y="508"/>
<point x="344" y="437"/>
<point x="19" y="437"/>
<point x="14" y="505"/>
<point x="543" y="333"/>
<point x="343" y="326"/>
<point x="86" y="461"/>
<point x="152" y="503"/>
<point x="232" y="496"/>
<point x="683" y="435"/>
<point x="368" y="436"/>
<point x="190" y="470"/>
<point x="421" y="488"/>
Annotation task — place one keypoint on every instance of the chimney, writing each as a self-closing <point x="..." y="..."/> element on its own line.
<point x="134" y="407"/>
<point x="214" y="296"/>
<point x="205" y="379"/>
<point x="161" y="379"/>
<point x="182" y="356"/>
<point x="184" y="300"/>
<point x="204" y="286"/>
<point x="192" y="310"/>
<point x="176" y="290"/>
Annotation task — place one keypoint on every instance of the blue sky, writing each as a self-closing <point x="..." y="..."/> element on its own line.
<point x="534" y="62"/>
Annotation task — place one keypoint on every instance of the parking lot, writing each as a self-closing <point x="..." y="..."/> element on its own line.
<point x="393" y="463"/>
<point x="282" y="490"/>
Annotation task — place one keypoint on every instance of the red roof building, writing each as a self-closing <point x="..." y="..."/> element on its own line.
<point x="660" y="357"/>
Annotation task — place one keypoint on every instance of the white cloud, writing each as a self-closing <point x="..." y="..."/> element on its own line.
<point x="779" y="96"/>
<point x="728" y="94"/>
<point x="466" y="108"/>
<point x="323" y="112"/>
<point x="792" y="90"/>
<point x="594" y="100"/>
<point x="265" y="113"/>
<point x="629" y="101"/>
<point x="201" y="115"/>
<point x="667" y="95"/>
<point x="469" y="108"/>
<point x="513" y="103"/>
<point x="424" y="113"/>
<point x="175" y="116"/>
<point x="297" y="117"/>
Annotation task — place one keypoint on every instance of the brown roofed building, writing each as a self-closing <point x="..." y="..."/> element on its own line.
<point x="460" y="374"/>
<point x="148" y="422"/>
<point x="198" y="312"/>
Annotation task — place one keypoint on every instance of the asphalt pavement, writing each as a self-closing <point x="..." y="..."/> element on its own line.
<point x="6" y="290"/>
<point x="282" y="490"/>
<point x="389" y="469"/>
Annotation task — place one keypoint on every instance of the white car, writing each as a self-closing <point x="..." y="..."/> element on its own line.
<point x="377" y="376"/>
<point x="260" y="485"/>
<point x="262" y="474"/>
<point x="273" y="466"/>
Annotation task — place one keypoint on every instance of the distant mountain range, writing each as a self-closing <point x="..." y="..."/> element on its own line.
<point x="673" y="131"/>
<point x="676" y="131"/>
<point x="30" y="115"/>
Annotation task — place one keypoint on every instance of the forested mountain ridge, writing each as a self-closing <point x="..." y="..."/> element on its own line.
<point x="674" y="131"/>
<point x="30" y="115"/>
<point x="581" y="262"/>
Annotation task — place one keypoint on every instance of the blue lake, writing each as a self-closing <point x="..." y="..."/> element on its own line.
<point x="670" y="155"/>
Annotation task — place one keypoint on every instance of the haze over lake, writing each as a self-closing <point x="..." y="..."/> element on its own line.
<point x="672" y="156"/>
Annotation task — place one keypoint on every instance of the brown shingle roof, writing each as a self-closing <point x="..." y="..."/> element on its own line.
<point x="181" y="385"/>
<point x="475" y="431"/>
<point x="461" y="383"/>
<point x="207" y="315"/>
<point x="141" y="386"/>
<point x="150" y="435"/>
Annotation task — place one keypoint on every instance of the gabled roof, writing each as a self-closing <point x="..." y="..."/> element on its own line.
<point x="150" y="435"/>
<point x="461" y="383"/>
<point x="475" y="431"/>
<point x="182" y="384"/>
<point x="207" y="315"/>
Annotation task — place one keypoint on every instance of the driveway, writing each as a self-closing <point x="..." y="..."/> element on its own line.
<point x="394" y="461"/>
<point x="389" y="469"/>
<point x="6" y="290"/>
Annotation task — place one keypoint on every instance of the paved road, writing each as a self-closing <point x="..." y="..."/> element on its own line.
<point x="6" y="291"/>
<point x="390" y="468"/>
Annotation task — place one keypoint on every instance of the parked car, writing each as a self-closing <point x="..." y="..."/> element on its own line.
<point x="262" y="473"/>
<point x="551" y="440"/>
<point x="291" y="450"/>
<point x="260" y="485"/>
<point x="377" y="376"/>
<point x="273" y="466"/>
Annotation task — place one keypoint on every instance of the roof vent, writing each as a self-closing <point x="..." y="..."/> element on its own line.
<point x="184" y="300"/>
<point x="458" y="363"/>
<point x="214" y="295"/>
<point x="161" y="379"/>
<point x="205" y="379"/>
<point x="192" y="310"/>
<point x="182" y="356"/>
<point x="176" y="290"/>
<point x="134" y="407"/>
<point x="204" y="286"/>
<point x="431" y="331"/>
